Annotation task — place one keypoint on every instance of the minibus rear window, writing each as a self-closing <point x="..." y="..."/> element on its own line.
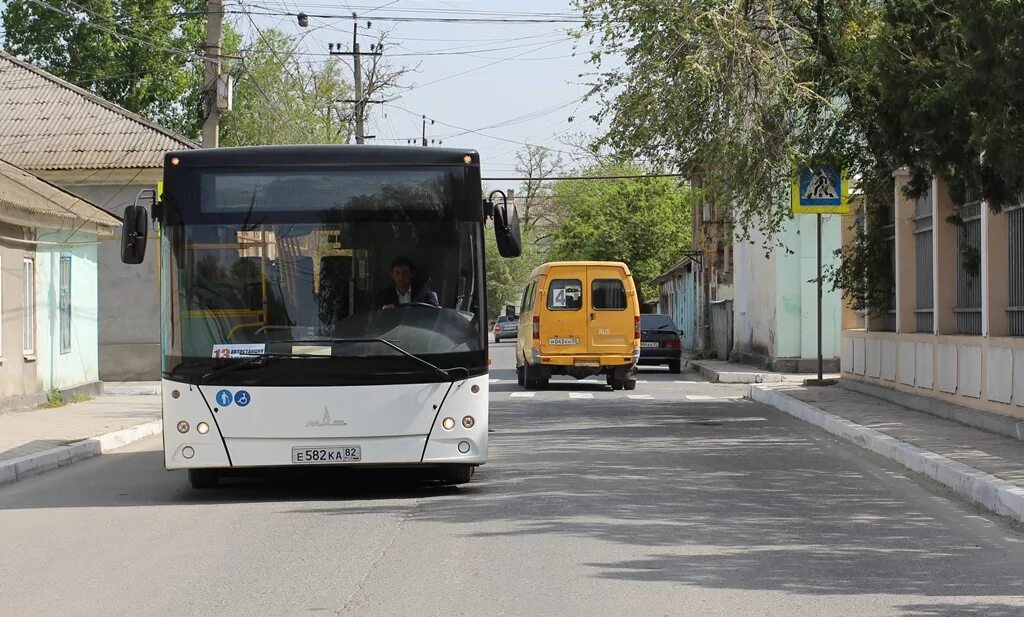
<point x="565" y="295"/>
<point x="608" y="295"/>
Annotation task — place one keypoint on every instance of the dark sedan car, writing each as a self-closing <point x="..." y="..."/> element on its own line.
<point x="505" y="328"/>
<point x="660" y="343"/>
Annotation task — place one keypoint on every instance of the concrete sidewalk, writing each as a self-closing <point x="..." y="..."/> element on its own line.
<point x="983" y="467"/>
<point x="35" y="440"/>
<point x="719" y="371"/>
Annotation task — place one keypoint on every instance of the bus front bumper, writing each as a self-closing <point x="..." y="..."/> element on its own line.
<point x="415" y="437"/>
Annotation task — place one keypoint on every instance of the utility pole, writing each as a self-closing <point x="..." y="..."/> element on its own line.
<point x="214" y="21"/>
<point x="424" y="130"/>
<point x="360" y="103"/>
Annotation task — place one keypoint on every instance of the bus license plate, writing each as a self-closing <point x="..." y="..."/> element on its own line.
<point x="326" y="454"/>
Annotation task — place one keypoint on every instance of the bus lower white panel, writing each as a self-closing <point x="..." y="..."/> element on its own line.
<point x="462" y="402"/>
<point x="191" y="448"/>
<point x="325" y="412"/>
<point x="278" y="452"/>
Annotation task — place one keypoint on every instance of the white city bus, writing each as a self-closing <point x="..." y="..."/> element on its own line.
<point x="282" y="343"/>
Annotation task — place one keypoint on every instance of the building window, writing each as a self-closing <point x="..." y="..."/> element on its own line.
<point x="925" y="309"/>
<point x="28" y="344"/>
<point x="968" y="280"/>
<point x="65" y="303"/>
<point x="889" y="231"/>
<point x="1015" y="228"/>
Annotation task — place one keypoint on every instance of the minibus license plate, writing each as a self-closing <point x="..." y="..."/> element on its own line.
<point x="327" y="454"/>
<point x="649" y="344"/>
<point x="564" y="341"/>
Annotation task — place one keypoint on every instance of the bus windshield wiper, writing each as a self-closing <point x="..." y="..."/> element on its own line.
<point x="447" y="374"/>
<point x="253" y="362"/>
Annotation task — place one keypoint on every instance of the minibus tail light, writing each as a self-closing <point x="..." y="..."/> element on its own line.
<point x="636" y="328"/>
<point x="536" y="327"/>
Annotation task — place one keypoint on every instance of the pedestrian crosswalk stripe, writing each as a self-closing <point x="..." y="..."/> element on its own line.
<point x="640" y="397"/>
<point x="522" y="394"/>
<point x="580" y="395"/>
<point x="699" y="397"/>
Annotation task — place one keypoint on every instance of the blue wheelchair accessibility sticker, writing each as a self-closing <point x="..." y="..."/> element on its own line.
<point x="224" y="398"/>
<point x="242" y="398"/>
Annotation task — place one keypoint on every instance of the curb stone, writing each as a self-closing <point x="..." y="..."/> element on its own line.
<point x="995" y="494"/>
<point x="22" y="467"/>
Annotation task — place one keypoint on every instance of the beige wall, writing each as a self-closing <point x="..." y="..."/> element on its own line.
<point x="984" y="372"/>
<point x="18" y="375"/>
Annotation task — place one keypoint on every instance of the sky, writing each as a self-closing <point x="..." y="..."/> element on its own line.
<point x="487" y="86"/>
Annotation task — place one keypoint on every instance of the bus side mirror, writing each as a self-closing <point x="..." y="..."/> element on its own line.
<point x="506" y="229"/>
<point x="134" y="233"/>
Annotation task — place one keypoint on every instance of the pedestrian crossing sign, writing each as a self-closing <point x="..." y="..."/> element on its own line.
<point x="820" y="190"/>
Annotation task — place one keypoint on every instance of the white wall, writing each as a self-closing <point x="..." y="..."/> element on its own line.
<point x="754" y="304"/>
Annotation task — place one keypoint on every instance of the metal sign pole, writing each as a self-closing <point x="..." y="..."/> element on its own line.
<point x="820" y="358"/>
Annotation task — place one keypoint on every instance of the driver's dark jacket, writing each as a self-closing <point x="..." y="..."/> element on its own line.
<point x="421" y="294"/>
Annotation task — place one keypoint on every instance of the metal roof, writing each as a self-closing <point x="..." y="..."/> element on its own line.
<point x="23" y="191"/>
<point x="47" y="123"/>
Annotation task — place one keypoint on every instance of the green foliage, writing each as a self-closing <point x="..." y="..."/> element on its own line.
<point x="864" y="272"/>
<point x="139" y="54"/>
<point x="280" y="101"/>
<point x="642" y="222"/>
<point x="506" y="278"/>
<point x="738" y="93"/>
<point x="54" y="398"/>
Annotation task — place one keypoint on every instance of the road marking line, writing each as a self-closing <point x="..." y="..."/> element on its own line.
<point x="495" y="380"/>
<point x="699" y="397"/>
<point x="640" y="397"/>
<point x="522" y="395"/>
<point x="580" y="395"/>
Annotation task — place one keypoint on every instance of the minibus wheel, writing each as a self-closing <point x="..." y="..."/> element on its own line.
<point x="629" y="384"/>
<point x="519" y="375"/>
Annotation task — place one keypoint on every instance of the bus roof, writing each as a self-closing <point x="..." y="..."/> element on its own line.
<point x="257" y="156"/>
<point x="543" y="268"/>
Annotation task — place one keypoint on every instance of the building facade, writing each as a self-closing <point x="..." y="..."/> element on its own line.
<point x="775" y="311"/>
<point x="106" y="155"/>
<point x="954" y="329"/>
<point x="49" y="309"/>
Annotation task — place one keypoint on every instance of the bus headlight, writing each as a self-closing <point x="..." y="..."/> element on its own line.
<point x="448" y="423"/>
<point x="203" y="428"/>
<point x="468" y="422"/>
<point x="182" y="427"/>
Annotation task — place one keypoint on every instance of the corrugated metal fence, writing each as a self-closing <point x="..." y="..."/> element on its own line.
<point x="925" y="307"/>
<point x="968" y="280"/>
<point x="1015" y="229"/>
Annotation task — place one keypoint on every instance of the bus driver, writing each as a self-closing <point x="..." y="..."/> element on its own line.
<point x="402" y="273"/>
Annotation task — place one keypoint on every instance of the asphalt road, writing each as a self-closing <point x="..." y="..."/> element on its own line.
<point x="674" y="499"/>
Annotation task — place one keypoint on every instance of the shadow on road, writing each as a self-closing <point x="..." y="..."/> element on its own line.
<point x="744" y="503"/>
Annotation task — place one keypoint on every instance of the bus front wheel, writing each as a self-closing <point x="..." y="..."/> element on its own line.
<point x="458" y="474"/>
<point x="203" y="478"/>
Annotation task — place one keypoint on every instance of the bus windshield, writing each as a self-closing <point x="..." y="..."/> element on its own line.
<point x="301" y="266"/>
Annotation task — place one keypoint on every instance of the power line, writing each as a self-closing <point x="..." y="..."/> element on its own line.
<point x="554" y="178"/>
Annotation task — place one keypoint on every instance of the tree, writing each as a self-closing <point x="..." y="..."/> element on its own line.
<point x="140" y="54"/>
<point x="738" y="93"/>
<point x="643" y="222"/>
<point x="506" y="278"/>
<point x="534" y="201"/>
<point x="279" y="101"/>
